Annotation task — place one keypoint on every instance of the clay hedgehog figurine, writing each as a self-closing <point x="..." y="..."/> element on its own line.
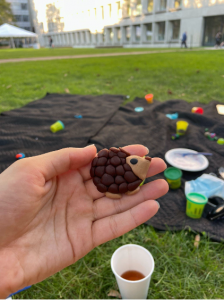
<point x="115" y="172"/>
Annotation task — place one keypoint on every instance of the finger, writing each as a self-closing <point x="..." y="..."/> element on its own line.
<point x="105" y="207"/>
<point x="132" y="149"/>
<point x="58" y="162"/>
<point x="116" y="225"/>
<point x="157" y="166"/>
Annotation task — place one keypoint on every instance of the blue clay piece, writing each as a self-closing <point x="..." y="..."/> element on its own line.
<point x="173" y="116"/>
<point x="78" y="116"/>
<point x="139" y="109"/>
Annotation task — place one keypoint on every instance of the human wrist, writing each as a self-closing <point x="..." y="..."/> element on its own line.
<point x="10" y="274"/>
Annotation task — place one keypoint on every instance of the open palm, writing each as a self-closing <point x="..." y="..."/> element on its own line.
<point x="51" y="214"/>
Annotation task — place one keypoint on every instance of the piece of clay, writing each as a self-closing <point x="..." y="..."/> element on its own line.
<point x="115" y="172"/>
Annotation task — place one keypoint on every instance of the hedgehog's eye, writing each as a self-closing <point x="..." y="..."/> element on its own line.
<point x="134" y="161"/>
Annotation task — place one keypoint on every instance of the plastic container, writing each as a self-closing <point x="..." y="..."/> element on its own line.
<point x="149" y="98"/>
<point x="182" y="127"/>
<point x="197" y="110"/>
<point x="195" y="205"/>
<point x="57" y="126"/>
<point x="220" y="141"/>
<point x="137" y="258"/>
<point x="173" y="177"/>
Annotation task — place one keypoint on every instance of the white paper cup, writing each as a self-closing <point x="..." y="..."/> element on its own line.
<point x="137" y="258"/>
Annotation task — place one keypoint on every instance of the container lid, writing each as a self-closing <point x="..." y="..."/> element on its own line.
<point x="197" y="198"/>
<point x="62" y="124"/>
<point x="173" y="173"/>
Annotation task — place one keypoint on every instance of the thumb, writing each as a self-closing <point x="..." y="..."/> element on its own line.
<point x="58" y="162"/>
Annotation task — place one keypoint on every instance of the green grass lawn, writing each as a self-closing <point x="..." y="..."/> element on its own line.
<point x="192" y="76"/>
<point x="21" y="53"/>
<point x="181" y="270"/>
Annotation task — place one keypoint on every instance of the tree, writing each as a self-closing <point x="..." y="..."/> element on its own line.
<point x="6" y="15"/>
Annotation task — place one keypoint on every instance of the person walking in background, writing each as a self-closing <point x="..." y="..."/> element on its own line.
<point x="218" y="39"/>
<point x="50" y="41"/>
<point x="184" y="40"/>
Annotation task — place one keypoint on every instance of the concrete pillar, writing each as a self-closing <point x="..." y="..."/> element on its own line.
<point x="166" y="37"/>
<point x="123" y="38"/>
<point x="61" y="40"/>
<point x="55" y="40"/>
<point x="100" y="38"/>
<point x="144" y="6"/>
<point x="142" y="37"/>
<point x="107" y="38"/>
<point x="68" y="39"/>
<point x="154" y="33"/>
<point x="77" y="38"/>
<point x="71" y="38"/>
<point x="115" y="36"/>
<point x="132" y="32"/>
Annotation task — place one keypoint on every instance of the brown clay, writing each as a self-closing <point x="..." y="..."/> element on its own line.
<point x="116" y="172"/>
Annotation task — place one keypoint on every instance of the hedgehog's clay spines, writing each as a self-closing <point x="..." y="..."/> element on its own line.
<point x="112" y="173"/>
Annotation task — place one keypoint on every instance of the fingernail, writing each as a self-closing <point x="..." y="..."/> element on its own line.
<point x="90" y="145"/>
<point x="158" y="204"/>
<point x="147" y="150"/>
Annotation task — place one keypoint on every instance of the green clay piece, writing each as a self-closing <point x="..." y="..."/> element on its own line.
<point x="206" y="129"/>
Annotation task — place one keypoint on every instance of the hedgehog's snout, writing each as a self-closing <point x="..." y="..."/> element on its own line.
<point x="139" y="165"/>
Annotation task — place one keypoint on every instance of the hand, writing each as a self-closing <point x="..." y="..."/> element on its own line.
<point x="51" y="214"/>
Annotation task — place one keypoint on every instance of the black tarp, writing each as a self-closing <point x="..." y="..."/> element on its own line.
<point x="106" y="125"/>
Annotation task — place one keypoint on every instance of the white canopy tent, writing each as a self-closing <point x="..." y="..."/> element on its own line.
<point x="10" y="31"/>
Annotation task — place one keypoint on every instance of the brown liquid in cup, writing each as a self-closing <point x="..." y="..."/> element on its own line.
<point x="132" y="275"/>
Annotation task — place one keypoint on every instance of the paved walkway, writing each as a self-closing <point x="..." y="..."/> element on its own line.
<point x="15" y="60"/>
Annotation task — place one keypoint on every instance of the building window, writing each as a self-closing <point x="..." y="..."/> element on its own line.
<point x="102" y="12"/>
<point x="163" y="4"/>
<point x="118" y="34"/>
<point x="148" y="28"/>
<point x="109" y="9"/>
<point x="95" y="12"/>
<point x="213" y="25"/>
<point x="161" y="31"/>
<point x="138" y="7"/>
<point x="15" y="5"/>
<point x="24" y="6"/>
<point x="150" y="6"/>
<point x="127" y="8"/>
<point x="128" y="33"/>
<point x="25" y="18"/>
<point x="177" y="3"/>
<point x="26" y="28"/>
<point x="119" y="10"/>
<point x="175" y="30"/>
<point x="18" y="18"/>
<point x="137" y="33"/>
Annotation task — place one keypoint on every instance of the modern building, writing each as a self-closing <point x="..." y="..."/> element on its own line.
<point x="21" y="12"/>
<point x="127" y="23"/>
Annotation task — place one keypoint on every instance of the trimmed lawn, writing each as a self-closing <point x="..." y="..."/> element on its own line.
<point x="181" y="270"/>
<point x="43" y="52"/>
<point x="192" y="76"/>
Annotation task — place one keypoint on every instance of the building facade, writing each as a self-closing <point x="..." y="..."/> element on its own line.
<point x="128" y="23"/>
<point x="21" y="12"/>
